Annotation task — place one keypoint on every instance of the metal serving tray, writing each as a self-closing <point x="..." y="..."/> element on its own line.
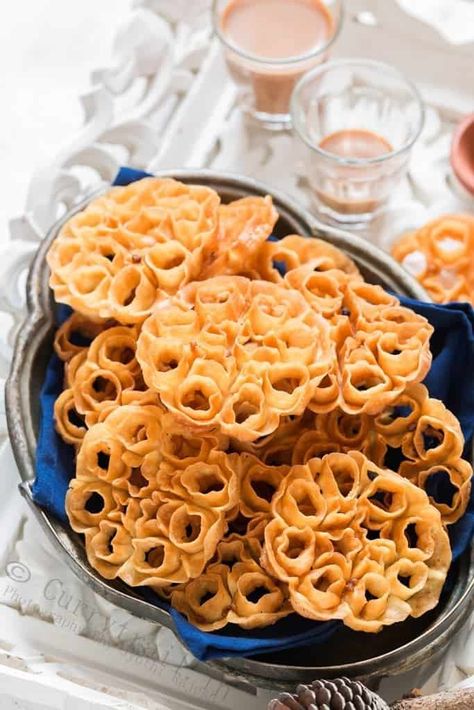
<point x="396" y="649"/>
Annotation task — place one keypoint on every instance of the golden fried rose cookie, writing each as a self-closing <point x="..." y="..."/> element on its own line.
<point x="258" y="483"/>
<point x="235" y="354"/>
<point x="243" y="226"/>
<point x="100" y="377"/>
<point x="123" y="450"/>
<point x="173" y="539"/>
<point x="205" y="601"/>
<point x="130" y="247"/>
<point x="211" y="482"/>
<point x="92" y="500"/>
<point x="235" y="589"/>
<point x="172" y="519"/>
<point x="454" y="475"/>
<point x="384" y="349"/>
<point x="258" y="599"/>
<point x="108" y="547"/>
<point x="181" y="448"/>
<point x="70" y="424"/>
<point x="327" y="394"/>
<point x="75" y="335"/>
<point x="415" y="435"/>
<point x="295" y="251"/>
<point x="343" y="535"/>
<point x="137" y="428"/>
<point x="275" y="449"/>
<point x="324" y="290"/>
<point x="439" y="255"/>
<point x="430" y="443"/>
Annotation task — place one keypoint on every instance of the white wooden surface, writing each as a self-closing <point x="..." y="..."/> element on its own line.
<point x="162" y="101"/>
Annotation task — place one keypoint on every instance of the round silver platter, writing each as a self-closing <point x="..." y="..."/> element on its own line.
<point x="396" y="649"/>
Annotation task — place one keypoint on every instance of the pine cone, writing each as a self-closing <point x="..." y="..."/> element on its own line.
<point x="338" y="694"/>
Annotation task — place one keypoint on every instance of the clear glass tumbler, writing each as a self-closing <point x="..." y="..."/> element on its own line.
<point x="359" y="120"/>
<point x="270" y="44"/>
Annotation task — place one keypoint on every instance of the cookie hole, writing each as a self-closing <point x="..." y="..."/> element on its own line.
<point x="123" y="355"/>
<point x="103" y="460"/>
<point x="344" y="479"/>
<point x="104" y="388"/>
<point x="239" y="524"/>
<point x="77" y="420"/>
<point x="432" y="438"/>
<point x="368" y="384"/>
<point x="270" y="308"/>
<point x="372" y="534"/>
<point x="137" y="479"/>
<point x="263" y="489"/>
<point x="295" y="548"/>
<point x="79" y="340"/>
<point x="402" y="411"/>
<point x="278" y="457"/>
<point x="130" y="297"/>
<point x="382" y="499"/>
<point x="440" y="488"/>
<point x="155" y="556"/>
<point x="411" y="535"/>
<point x="182" y="447"/>
<point x="243" y="411"/>
<point x="196" y="400"/>
<point x="323" y="583"/>
<point x="167" y="365"/>
<point x="286" y="384"/>
<point x="345" y="483"/>
<point x="139" y="433"/>
<point x="393" y="458"/>
<point x="192" y="529"/>
<point x="349" y="427"/>
<point x="210" y="484"/>
<point x="207" y="595"/>
<point x="95" y="503"/>
<point x="256" y="594"/>
<point x="110" y="542"/>
<point x="280" y="266"/>
<point x="306" y="506"/>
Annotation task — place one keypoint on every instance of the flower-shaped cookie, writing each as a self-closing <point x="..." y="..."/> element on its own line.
<point x="235" y="354"/>
<point x="356" y="543"/>
<point x="132" y="246"/>
<point x="439" y="255"/>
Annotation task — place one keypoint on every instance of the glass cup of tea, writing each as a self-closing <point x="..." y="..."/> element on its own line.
<point x="270" y="44"/>
<point x="359" y="120"/>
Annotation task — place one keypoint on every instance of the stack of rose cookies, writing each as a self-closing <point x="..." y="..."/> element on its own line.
<point x="236" y="405"/>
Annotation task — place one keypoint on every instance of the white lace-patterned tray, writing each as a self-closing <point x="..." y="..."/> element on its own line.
<point x="166" y="102"/>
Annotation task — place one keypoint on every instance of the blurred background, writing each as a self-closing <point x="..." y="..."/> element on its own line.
<point x="48" y="49"/>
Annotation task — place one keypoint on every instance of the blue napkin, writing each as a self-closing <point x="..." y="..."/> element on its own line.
<point x="450" y="379"/>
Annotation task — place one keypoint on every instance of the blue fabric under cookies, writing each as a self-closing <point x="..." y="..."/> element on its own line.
<point x="450" y="379"/>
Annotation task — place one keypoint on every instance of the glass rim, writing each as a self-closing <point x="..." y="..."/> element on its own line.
<point x="366" y="64"/>
<point x="273" y="60"/>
